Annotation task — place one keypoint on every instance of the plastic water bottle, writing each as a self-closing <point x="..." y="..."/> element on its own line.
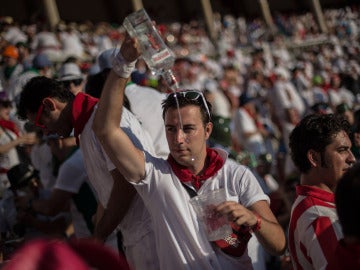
<point x="157" y="55"/>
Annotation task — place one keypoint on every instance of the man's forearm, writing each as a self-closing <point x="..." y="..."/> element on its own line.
<point x="105" y="226"/>
<point x="121" y="197"/>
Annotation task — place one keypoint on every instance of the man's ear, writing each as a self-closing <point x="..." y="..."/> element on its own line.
<point x="208" y="130"/>
<point x="314" y="158"/>
<point x="49" y="103"/>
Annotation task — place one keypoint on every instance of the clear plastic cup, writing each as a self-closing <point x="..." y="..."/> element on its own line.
<point x="217" y="226"/>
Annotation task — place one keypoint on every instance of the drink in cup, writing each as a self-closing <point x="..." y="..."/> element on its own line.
<point x="217" y="226"/>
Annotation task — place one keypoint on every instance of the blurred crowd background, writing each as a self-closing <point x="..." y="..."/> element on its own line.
<point x="261" y="79"/>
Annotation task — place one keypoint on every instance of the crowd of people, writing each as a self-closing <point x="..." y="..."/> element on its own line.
<point x="271" y="117"/>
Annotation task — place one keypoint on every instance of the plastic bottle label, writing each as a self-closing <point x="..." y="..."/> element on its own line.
<point x="159" y="57"/>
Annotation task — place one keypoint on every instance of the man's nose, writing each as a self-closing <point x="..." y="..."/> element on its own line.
<point x="180" y="136"/>
<point x="351" y="157"/>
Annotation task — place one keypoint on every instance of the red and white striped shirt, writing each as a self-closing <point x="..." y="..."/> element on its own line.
<point x="314" y="228"/>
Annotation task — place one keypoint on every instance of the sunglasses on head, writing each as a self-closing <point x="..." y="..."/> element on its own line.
<point x="192" y="95"/>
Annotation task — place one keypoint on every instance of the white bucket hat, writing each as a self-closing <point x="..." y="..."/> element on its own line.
<point x="69" y="72"/>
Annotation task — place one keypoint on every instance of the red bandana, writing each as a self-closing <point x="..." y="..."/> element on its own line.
<point x="215" y="163"/>
<point x="6" y="124"/>
<point x="82" y="109"/>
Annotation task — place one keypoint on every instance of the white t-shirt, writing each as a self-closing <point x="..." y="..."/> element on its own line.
<point x="5" y="83"/>
<point x="180" y="239"/>
<point x="71" y="44"/>
<point x="47" y="42"/>
<point x="341" y="95"/>
<point x="10" y="158"/>
<point x="41" y="159"/>
<point x="221" y="105"/>
<point x="146" y="105"/>
<point x="16" y="86"/>
<point x="136" y="226"/>
<point x="14" y="35"/>
<point x="284" y="97"/>
<point x="243" y="123"/>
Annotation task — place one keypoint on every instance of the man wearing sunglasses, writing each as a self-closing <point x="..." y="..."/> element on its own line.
<point x="72" y="78"/>
<point x="51" y="106"/>
<point x="166" y="186"/>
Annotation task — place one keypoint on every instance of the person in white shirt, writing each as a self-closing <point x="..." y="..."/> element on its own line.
<point x="167" y="185"/>
<point x="248" y="129"/>
<point x="51" y="106"/>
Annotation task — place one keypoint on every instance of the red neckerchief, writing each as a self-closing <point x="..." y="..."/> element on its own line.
<point x="82" y="108"/>
<point x="9" y="125"/>
<point x="185" y="175"/>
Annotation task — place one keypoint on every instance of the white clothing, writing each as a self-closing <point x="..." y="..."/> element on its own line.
<point x="180" y="238"/>
<point x="7" y="160"/>
<point x="45" y="40"/>
<point x="136" y="226"/>
<point x="11" y="157"/>
<point x="286" y="97"/>
<point x="16" y="86"/>
<point x="221" y="105"/>
<point x="14" y="35"/>
<point x="314" y="95"/>
<point x="314" y="228"/>
<point x="342" y="95"/>
<point x="255" y="89"/>
<point x="257" y="254"/>
<point x="71" y="176"/>
<point x="102" y="42"/>
<point x="71" y="45"/>
<point x="41" y="159"/>
<point x="300" y="82"/>
<point x="146" y="105"/>
<point x="271" y="183"/>
<point x="289" y="164"/>
<point x="13" y="77"/>
<point x="243" y="123"/>
<point x="48" y="43"/>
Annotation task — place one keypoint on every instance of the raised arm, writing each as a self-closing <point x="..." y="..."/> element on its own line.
<point x="129" y="160"/>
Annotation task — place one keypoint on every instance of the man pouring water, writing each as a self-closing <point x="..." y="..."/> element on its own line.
<point x="192" y="169"/>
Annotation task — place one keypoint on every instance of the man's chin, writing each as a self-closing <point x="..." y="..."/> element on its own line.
<point x="184" y="160"/>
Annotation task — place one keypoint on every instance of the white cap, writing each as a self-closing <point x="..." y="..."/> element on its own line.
<point x="105" y="58"/>
<point x="70" y="71"/>
<point x="280" y="71"/>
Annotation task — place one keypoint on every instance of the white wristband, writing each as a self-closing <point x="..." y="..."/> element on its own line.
<point x="122" y="67"/>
